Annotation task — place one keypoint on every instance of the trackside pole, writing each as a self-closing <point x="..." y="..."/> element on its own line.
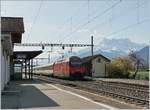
<point x="91" y="54"/>
<point x="92" y="45"/>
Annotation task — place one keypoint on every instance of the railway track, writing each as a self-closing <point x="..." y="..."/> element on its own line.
<point x="133" y="86"/>
<point x="130" y="94"/>
<point x="139" y="97"/>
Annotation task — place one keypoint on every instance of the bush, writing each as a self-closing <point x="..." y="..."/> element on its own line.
<point x="119" y="68"/>
<point x="116" y="72"/>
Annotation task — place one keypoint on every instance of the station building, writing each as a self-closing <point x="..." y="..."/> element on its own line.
<point x="12" y="29"/>
<point x="96" y="65"/>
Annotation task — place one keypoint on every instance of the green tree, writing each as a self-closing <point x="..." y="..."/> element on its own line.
<point x="120" y="67"/>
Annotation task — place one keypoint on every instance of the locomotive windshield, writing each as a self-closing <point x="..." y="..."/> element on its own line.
<point x="75" y="64"/>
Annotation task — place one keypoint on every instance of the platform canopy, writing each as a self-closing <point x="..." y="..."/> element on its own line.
<point x="13" y="26"/>
<point x="26" y="54"/>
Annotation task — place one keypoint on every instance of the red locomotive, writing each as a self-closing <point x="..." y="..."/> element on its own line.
<point x="69" y="68"/>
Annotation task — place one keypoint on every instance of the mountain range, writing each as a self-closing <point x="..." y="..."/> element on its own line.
<point x="112" y="48"/>
<point x="144" y="54"/>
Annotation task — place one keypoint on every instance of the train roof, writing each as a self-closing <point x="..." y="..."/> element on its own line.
<point x="67" y="59"/>
<point x="45" y="65"/>
<point x="60" y="61"/>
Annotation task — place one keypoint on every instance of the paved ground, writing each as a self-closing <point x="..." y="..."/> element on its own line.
<point x="34" y="94"/>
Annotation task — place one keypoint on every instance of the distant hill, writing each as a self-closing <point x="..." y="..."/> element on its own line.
<point x="144" y="54"/>
<point x="109" y="54"/>
<point x="112" y="48"/>
<point x="122" y="44"/>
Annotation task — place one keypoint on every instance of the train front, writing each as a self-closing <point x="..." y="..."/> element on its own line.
<point x="77" y="70"/>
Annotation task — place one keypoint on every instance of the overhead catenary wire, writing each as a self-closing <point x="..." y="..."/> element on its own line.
<point x="92" y="19"/>
<point x="117" y="17"/>
<point x="70" y="19"/>
<point x="81" y="26"/>
<point x="35" y="18"/>
<point x="127" y="27"/>
<point x="140" y="5"/>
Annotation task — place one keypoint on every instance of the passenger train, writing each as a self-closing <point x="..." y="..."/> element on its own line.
<point x="71" y="67"/>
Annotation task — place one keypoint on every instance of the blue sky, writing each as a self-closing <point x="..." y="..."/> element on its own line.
<point x="63" y="21"/>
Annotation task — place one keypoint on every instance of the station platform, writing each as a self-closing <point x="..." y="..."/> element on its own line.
<point x="34" y="94"/>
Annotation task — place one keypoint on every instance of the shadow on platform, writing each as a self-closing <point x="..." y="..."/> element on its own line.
<point x="28" y="96"/>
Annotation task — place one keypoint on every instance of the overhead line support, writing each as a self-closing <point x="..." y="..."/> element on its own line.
<point x="52" y="45"/>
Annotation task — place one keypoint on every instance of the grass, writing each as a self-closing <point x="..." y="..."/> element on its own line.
<point x="141" y="75"/>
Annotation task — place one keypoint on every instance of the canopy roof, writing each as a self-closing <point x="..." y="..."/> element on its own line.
<point x="26" y="54"/>
<point x="12" y="24"/>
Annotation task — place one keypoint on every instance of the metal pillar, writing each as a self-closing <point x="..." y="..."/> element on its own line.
<point x="32" y="69"/>
<point x="22" y="70"/>
<point x="48" y="57"/>
<point x="29" y="69"/>
<point x="91" y="54"/>
<point x="25" y="69"/>
<point x="92" y="45"/>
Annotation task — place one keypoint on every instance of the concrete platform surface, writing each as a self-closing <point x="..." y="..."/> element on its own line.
<point x="35" y="94"/>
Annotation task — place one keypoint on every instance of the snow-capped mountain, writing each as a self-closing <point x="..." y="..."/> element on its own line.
<point x="112" y="48"/>
<point x="120" y="44"/>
